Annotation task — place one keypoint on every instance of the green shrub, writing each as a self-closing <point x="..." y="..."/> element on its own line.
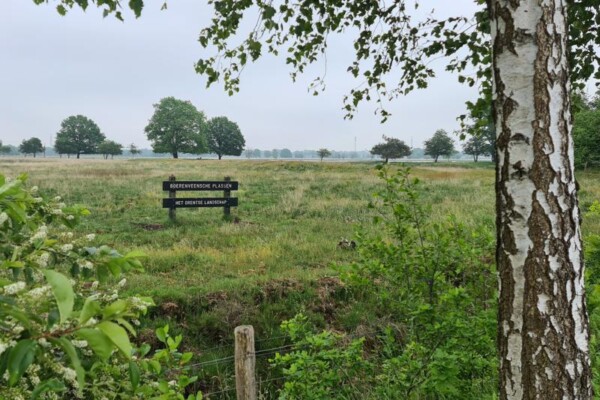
<point x="321" y="365"/>
<point x="62" y="317"/>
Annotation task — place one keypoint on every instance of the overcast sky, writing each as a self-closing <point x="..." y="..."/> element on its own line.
<point x="52" y="67"/>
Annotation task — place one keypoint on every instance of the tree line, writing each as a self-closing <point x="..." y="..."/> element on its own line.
<point x="176" y="127"/>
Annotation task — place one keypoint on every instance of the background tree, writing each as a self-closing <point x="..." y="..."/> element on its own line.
<point x="78" y="134"/>
<point x="441" y="144"/>
<point x="133" y="150"/>
<point x="4" y="149"/>
<point x="477" y="146"/>
<point x="586" y="131"/>
<point x="322" y="153"/>
<point x="267" y="154"/>
<point x="256" y="153"/>
<point x="391" y="148"/>
<point x="110" y="148"/>
<point x="62" y="145"/>
<point x="298" y="154"/>
<point x="177" y="127"/>
<point x="31" y="146"/>
<point x="286" y="153"/>
<point x="275" y="153"/>
<point x="224" y="137"/>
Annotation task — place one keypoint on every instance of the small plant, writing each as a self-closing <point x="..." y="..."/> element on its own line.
<point x="163" y="375"/>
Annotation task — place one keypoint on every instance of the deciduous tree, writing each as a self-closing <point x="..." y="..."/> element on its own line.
<point x="78" y="134"/>
<point x="5" y="149"/>
<point x="133" y="150"/>
<point x="322" y="153"/>
<point x="31" y="146"/>
<point x="586" y="133"/>
<point x="224" y="137"/>
<point x="391" y="148"/>
<point x="177" y="127"/>
<point x="110" y="148"/>
<point x="62" y="146"/>
<point x="286" y="153"/>
<point x="441" y="144"/>
<point x="477" y="146"/>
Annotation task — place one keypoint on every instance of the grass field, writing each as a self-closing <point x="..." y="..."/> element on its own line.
<point x="276" y="257"/>
<point x="290" y="218"/>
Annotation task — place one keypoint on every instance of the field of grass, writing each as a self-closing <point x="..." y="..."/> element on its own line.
<point x="276" y="257"/>
<point x="290" y="218"/>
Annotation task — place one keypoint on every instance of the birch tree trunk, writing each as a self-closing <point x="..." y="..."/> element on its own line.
<point x="543" y="326"/>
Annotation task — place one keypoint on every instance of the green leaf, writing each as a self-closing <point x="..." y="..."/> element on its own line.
<point x="136" y="254"/>
<point x="52" y="385"/>
<point x="134" y="374"/>
<point x="63" y="293"/>
<point x="100" y="344"/>
<point x="161" y="333"/>
<point x="90" y="308"/>
<point x="117" y="335"/>
<point x="127" y="326"/>
<point x="114" y="309"/>
<point x="20" y="357"/>
<point x="75" y="363"/>
<point x="155" y="365"/>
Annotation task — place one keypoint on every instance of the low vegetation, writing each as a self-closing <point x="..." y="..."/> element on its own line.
<point x="385" y="295"/>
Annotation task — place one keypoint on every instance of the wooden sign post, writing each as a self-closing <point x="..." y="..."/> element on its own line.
<point x="172" y="203"/>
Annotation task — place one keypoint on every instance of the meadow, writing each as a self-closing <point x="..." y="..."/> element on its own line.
<point x="279" y="254"/>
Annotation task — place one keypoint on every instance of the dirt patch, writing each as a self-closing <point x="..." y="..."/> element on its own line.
<point x="151" y="227"/>
<point x="327" y="305"/>
<point x="277" y="289"/>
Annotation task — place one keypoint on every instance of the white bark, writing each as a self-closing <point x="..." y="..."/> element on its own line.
<point x="543" y="330"/>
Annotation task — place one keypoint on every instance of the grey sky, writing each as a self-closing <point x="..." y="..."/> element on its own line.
<point x="52" y="67"/>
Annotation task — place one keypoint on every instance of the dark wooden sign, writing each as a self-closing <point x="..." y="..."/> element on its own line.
<point x="173" y="186"/>
<point x="200" y="185"/>
<point x="200" y="202"/>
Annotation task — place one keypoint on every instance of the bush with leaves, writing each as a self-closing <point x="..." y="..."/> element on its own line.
<point x="321" y="365"/>
<point x="432" y="283"/>
<point x="62" y="318"/>
<point x="431" y="289"/>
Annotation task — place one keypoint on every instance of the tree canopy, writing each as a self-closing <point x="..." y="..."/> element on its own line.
<point x="322" y="153"/>
<point x="5" y="149"/>
<point x="133" y="150"/>
<point x="586" y="132"/>
<point x="224" y="137"/>
<point x="480" y="144"/>
<point x="177" y="127"/>
<point x="31" y="146"/>
<point x="286" y="153"/>
<point x="441" y="144"/>
<point x="78" y="134"/>
<point x="110" y="148"/>
<point x="391" y="148"/>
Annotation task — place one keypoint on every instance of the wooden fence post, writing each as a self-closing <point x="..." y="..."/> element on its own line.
<point x="245" y="363"/>
<point x="172" y="195"/>
<point x="227" y="195"/>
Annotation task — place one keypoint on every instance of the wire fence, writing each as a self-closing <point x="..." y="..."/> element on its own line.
<point x="216" y="376"/>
